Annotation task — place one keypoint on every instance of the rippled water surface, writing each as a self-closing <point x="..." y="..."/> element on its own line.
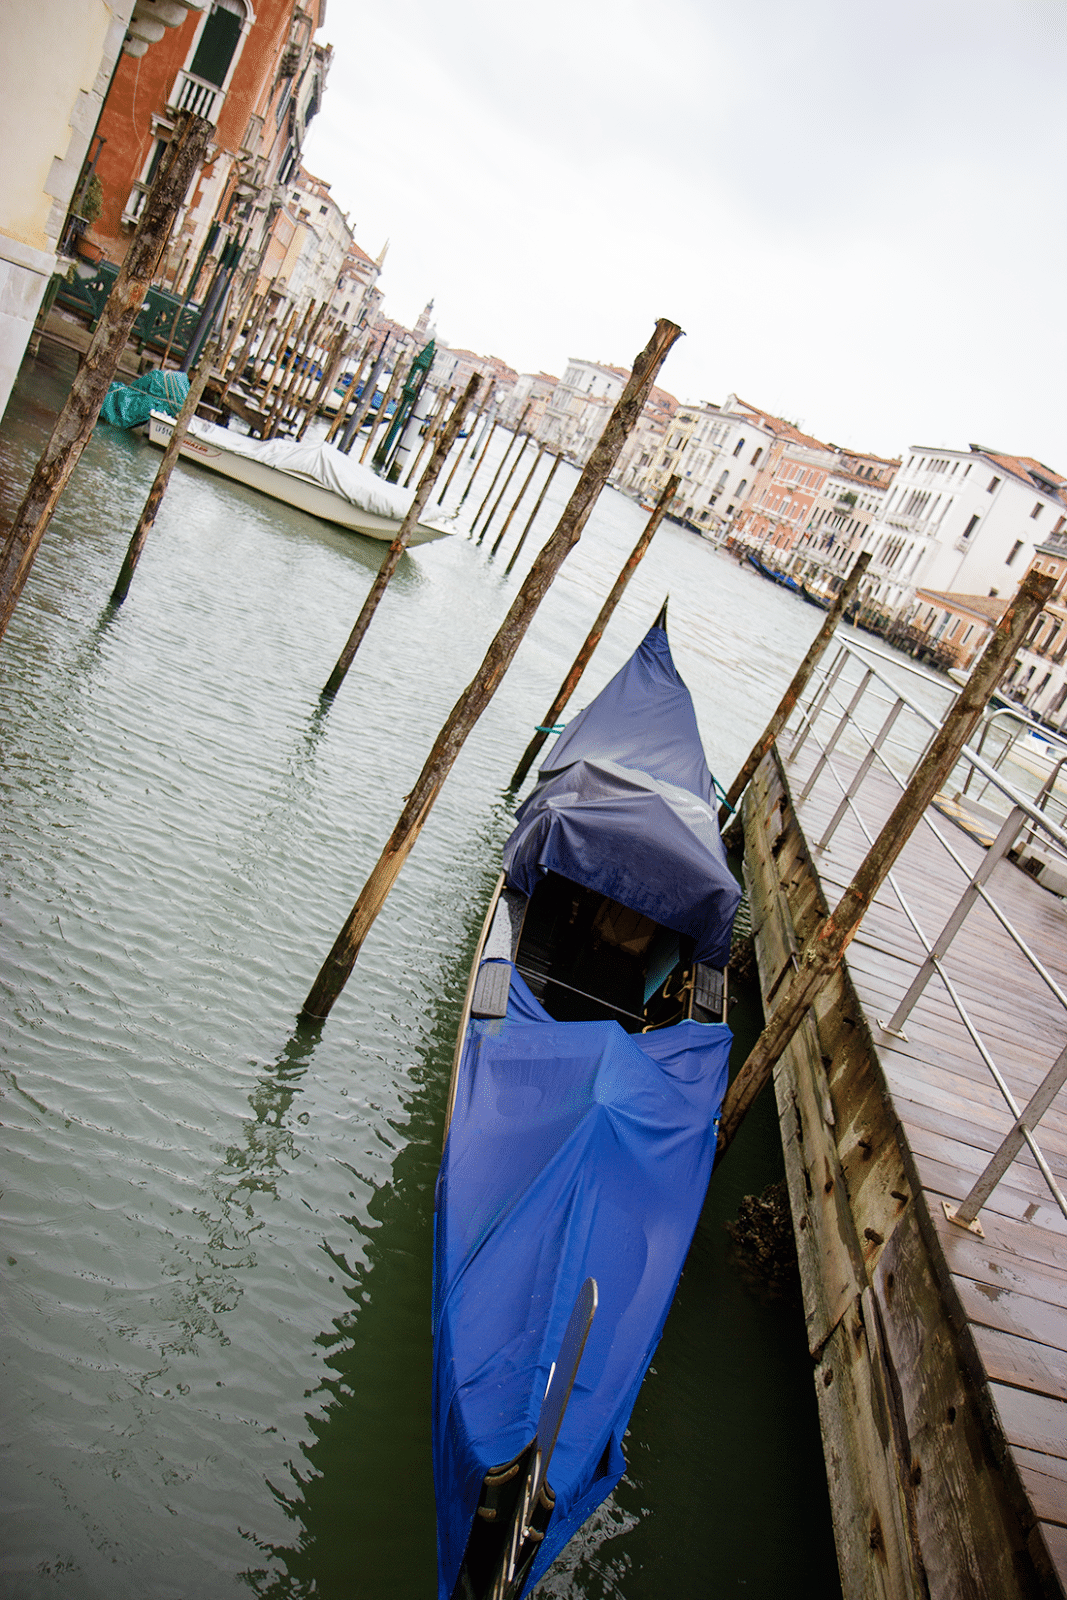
<point x="217" y="1230"/>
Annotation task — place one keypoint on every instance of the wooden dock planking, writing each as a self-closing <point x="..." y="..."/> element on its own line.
<point x="1005" y="1293"/>
<point x="1008" y="1290"/>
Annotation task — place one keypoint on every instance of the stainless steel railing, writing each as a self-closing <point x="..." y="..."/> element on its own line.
<point x="857" y="718"/>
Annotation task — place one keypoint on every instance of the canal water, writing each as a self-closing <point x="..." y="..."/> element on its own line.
<point x="217" y="1229"/>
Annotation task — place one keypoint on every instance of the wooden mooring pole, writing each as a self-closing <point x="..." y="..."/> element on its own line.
<point x="795" y="689"/>
<point x="493" y="426"/>
<point x="146" y="522"/>
<point x="533" y="514"/>
<point x="181" y="162"/>
<point x="596" y="632"/>
<point x="499" y="540"/>
<point x="507" y="484"/>
<point x="474" y="699"/>
<point x="824" y="950"/>
<point x="516" y="436"/>
<point x="444" y="444"/>
<point x="382" y="414"/>
<point x="483" y="402"/>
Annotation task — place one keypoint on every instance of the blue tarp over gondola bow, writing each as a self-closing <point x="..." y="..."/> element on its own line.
<point x="630" y="814"/>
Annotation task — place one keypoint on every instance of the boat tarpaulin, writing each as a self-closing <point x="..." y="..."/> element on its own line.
<point x="624" y="805"/>
<point x="317" y="463"/>
<point x="644" y="718"/>
<point x="575" y="1150"/>
<point x="129" y="405"/>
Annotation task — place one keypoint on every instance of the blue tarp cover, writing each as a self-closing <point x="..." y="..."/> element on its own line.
<point x="575" y="1150"/>
<point x="625" y="805"/>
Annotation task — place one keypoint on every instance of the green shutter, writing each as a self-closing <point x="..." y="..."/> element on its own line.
<point x="217" y="45"/>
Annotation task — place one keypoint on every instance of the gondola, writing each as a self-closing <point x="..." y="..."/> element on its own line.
<point x="589" y="1073"/>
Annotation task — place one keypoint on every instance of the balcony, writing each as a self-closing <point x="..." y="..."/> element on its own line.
<point x="203" y="99"/>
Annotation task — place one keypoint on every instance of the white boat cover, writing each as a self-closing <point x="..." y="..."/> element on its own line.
<point x="319" y="463"/>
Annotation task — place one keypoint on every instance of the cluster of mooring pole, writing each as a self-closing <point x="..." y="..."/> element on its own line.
<point x="823" y="952"/>
<point x="182" y="160"/>
<point x="472" y="702"/>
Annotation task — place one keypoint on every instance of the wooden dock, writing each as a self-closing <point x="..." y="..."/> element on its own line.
<point x="940" y="1356"/>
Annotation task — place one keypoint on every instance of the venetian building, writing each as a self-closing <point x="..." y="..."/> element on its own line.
<point x="57" y="58"/>
<point x="959" y="521"/>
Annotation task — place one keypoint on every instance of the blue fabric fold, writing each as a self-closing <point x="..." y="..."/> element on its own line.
<point x="575" y="1150"/>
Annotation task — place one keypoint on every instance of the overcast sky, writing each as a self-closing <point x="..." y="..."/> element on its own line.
<point x="856" y="211"/>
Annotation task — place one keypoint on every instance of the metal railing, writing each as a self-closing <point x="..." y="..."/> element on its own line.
<point x="857" y="718"/>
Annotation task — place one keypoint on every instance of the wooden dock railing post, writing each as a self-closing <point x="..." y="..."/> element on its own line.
<point x="472" y="702"/>
<point x="795" y="689"/>
<point x="824" y="950"/>
<point x="74" y="425"/>
<point x="399" y="545"/>
<point x="596" y="632"/>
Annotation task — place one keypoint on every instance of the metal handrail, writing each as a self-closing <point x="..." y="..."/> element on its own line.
<point x="834" y="695"/>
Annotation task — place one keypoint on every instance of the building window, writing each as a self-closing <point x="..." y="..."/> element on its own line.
<point x="1016" y="547"/>
<point x="737" y="447"/>
<point x="1036" y="512"/>
<point x="969" y="529"/>
<point x="218" y="41"/>
<point x="994" y="485"/>
<point x="755" y="456"/>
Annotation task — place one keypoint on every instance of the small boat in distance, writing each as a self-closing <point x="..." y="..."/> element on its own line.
<point x="582" y="1118"/>
<point x="312" y="477"/>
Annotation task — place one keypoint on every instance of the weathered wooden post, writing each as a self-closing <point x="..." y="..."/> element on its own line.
<point x="827" y="945"/>
<point x="348" y="395"/>
<point x="332" y="358"/>
<point x="507" y="483"/>
<point x="166" y="467"/>
<point x="293" y="378"/>
<point x="533" y="514"/>
<point x="483" y="402"/>
<point x="474" y="699"/>
<point x="266" y="403"/>
<point x="493" y="426"/>
<point x="512" y="442"/>
<point x="244" y="355"/>
<point x="181" y="161"/>
<point x="596" y="632"/>
<point x="795" y="689"/>
<point x="366" y="399"/>
<point x="399" y="369"/>
<point x="400" y="543"/>
<point x="517" y="502"/>
<point x="433" y="428"/>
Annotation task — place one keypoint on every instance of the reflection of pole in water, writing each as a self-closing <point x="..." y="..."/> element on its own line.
<point x="362" y="1496"/>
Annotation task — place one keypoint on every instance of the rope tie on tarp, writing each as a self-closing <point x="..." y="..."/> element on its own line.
<point x="559" y="727"/>
<point x="721" y="795"/>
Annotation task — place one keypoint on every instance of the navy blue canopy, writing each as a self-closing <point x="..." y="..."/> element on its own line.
<point x="575" y="1150"/>
<point x="625" y="805"/>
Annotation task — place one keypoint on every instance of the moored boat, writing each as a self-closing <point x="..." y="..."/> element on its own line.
<point x="313" y="477"/>
<point x="589" y="1072"/>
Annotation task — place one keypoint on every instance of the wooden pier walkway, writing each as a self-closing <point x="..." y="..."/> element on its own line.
<point x="965" y="1337"/>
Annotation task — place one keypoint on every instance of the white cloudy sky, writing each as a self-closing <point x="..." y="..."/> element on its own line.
<point x="854" y="209"/>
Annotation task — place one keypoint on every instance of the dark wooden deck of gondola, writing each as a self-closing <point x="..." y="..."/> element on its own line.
<point x="1010" y="1287"/>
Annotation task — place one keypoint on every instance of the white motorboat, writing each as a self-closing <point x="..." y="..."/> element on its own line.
<point x="313" y="477"/>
